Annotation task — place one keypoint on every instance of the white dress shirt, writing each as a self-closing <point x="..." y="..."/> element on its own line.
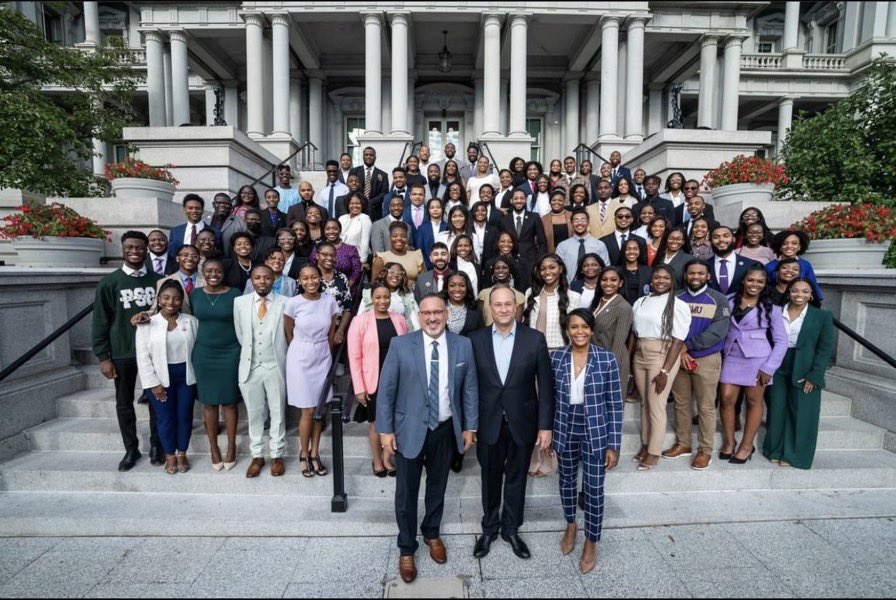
<point x="478" y="239"/>
<point x="188" y="232"/>
<point x="470" y="269"/>
<point x="161" y="260"/>
<point x="731" y="261"/>
<point x="577" y="389"/>
<point x="323" y="196"/>
<point x="134" y="272"/>
<point x="647" y="317"/>
<point x="176" y="344"/>
<point x="794" y="327"/>
<point x="356" y="232"/>
<point x="444" y="401"/>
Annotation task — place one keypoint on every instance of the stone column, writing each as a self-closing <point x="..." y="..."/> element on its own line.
<point x="891" y="19"/>
<point x="731" y="84"/>
<point x="655" y="109"/>
<point x="592" y="110"/>
<point x="791" y="25"/>
<point x="491" y="74"/>
<point x="386" y="102"/>
<point x="180" y="85"/>
<point x="295" y="108"/>
<point x="280" y="62"/>
<point x="518" y="31"/>
<point x="785" y="119"/>
<point x="634" y="83"/>
<point x="478" y="111"/>
<point x="169" y="100"/>
<point x="609" y="51"/>
<point x="709" y="50"/>
<point x="411" y="105"/>
<point x="373" y="102"/>
<point x="91" y="23"/>
<point x="316" y="114"/>
<point x="572" y="115"/>
<point x="503" y="92"/>
<point x="155" y="78"/>
<point x="254" y="75"/>
<point x="209" y="104"/>
<point x="231" y="104"/>
<point x="99" y="155"/>
<point x="399" y="22"/>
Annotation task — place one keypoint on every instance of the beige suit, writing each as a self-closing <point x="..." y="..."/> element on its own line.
<point x="599" y="227"/>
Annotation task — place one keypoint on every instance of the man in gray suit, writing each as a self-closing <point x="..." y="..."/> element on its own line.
<point x="433" y="281"/>
<point x="379" y="231"/>
<point x="427" y="408"/>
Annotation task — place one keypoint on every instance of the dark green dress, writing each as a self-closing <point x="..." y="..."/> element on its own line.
<point x="216" y="354"/>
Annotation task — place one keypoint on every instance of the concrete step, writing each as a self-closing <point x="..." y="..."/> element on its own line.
<point x="96" y="472"/>
<point x="102" y="435"/>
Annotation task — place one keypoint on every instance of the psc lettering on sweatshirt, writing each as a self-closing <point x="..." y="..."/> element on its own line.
<point x="142" y="297"/>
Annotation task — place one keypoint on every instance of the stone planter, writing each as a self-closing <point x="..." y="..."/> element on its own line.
<point x="52" y="251"/>
<point x="729" y="201"/>
<point x="135" y="187"/>
<point x="856" y="253"/>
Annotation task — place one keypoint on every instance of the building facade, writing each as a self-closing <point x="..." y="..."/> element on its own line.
<point x="533" y="78"/>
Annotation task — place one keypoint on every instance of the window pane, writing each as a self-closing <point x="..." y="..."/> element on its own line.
<point x="354" y="127"/>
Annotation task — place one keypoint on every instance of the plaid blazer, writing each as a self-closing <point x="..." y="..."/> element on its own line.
<point x="603" y="398"/>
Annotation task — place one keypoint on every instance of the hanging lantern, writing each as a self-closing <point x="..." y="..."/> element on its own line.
<point x="445" y="55"/>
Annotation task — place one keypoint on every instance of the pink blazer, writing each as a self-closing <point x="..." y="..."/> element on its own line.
<point x="364" y="350"/>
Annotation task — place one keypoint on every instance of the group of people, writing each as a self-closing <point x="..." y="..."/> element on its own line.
<point x="512" y="309"/>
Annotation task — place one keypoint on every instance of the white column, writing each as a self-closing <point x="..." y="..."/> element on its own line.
<point x="295" y="108"/>
<point x="477" y="107"/>
<point x="518" y="54"/>
<point x="891" y="20"/>
<point x="411" y="106"/>
<point x="655" y="110"/>
<point x="592" y="110"/>
<point x="634" y="83"/>
<point x="731" y="84"/>
<point x="785" y="119"/>
<point x="280" y="39"/>
<point x="491" y="74"/>
<point x="254" y="75"/>
<point x="169" y="100"/>
<point x="791" y="25"/>
<point x="572" y="115"/>
<point x="267" y="61"/>
<point x="155" y="78"/>
<point x="609" y="51"/>
<point x="232" y="104"/>
<point x="373" y="102"/>
<point x="209" y="104"/>
<point x="91" y="23"/>
<point x="316" y="114"/>
<point x="709" y="50"/>
<point x="99" y="155"/>
<point x="502" y="99"/>
<point x="386" y="86"/>
<point x="180" y="85"/>
<point x="399" y="21"/>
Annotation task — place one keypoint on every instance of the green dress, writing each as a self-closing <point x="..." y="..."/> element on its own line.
<point x="216" y="354"/>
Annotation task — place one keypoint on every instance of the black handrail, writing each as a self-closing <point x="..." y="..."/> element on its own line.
<point x="862" y="341"/>
<point x="484" y="147"/>
<point x="414" y="145"/>
<point x="581" y="148"/>
<point x="273" y="170"/>
<point x="14" y="365"/>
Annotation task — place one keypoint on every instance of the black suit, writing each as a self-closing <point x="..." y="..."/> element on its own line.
<point x="170" y="264"/>
<point x="615" y="252"/>
<point x="707" y="214"/>
<point x="533" y="243"/>
<point x="296" y="212"/>
<point x="661" y="206"/>
<point x="735" y="275"/>
<point x="510" y="415"/>
<point x="488" y="242"/>
<point x="268" y="225"/>
<point x="379" y="185"/>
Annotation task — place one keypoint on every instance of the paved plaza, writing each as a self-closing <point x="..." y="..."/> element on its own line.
<point x="827" y="558"/>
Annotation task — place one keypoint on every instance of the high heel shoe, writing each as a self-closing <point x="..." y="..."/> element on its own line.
<point x="381" y="473"/>
<point x="218" y="466"/>
<point x="740" y="461"/>
<point x="727" y="455"/>
<point x="230" y="465"/>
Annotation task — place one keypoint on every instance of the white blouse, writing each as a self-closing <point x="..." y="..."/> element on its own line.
<point x="470" y="269"/>
<point x="176" y="345"/>
<point x="474" y="183"/>
<point x="794" y="327"/>
<point x="647" y="313"/>
<point x="577" y="389"/>
<point x="356" y="232"/>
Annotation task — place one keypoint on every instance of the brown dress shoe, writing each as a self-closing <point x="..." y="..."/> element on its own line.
<point x="701" y="461"/>
<point x="437" y="550"/>
<point x="589" y="557"/>
<point x="255" y="466"/>
<point x="407" y="569"/>
<point x="568" y="543"/>
<point x="677" y="450"/>
<point x="277" y="467"/>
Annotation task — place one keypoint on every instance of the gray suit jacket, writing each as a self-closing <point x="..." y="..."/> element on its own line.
<point x="402" y="407"/>
<point x="426" y="284"/>
<point x="243" y="314"/>
<point x="379" y="234"/>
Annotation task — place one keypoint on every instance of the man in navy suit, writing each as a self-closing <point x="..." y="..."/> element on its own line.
<point x="529" y="230"/>
<point x="727" y="268"/>
<point x="157" y="259"/>
<point x="374" y="182"/>
<point x="618" y="171"/>
<point x="516" y="408"/>
<point x="533" y="170"/>
<point x="415" y="214"/>
<point x="427" y="408"/>
<point x="186" y="233"/>
<point x="399" y="188"/>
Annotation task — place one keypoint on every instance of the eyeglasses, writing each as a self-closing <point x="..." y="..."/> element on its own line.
<point x="690" y="187"/>
<point x="624" y="217"/>
<point x="431" y="313"/>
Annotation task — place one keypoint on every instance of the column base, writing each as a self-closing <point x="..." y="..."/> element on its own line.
<point x="607" y="145"/>
<point x="280" y="145"/>
<point x="389" y="148"/>
<point x="503" y="148"/>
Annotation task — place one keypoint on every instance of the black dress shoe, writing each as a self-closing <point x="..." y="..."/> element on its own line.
<point x="581" y="500"/>
<point x="457" y="462"/>
<point x="156" y="456"/>
<point x="518" y="546"/>
<point x="130" y="459"/>
<point x="483" y="545"/>
<point x="143" y="399"/>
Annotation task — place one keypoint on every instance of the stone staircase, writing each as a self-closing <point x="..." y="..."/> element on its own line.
<point x="68" y="483"/>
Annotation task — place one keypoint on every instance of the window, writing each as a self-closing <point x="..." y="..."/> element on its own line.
<point x="830" y="38"/>
<point x="120" y="152"/>
<point x="53" y="26"/>
<point x="354" y="126"/>
<point x="535" y="127"/>
<point x="765" y="47"/>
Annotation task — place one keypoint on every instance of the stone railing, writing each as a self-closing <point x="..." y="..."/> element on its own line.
<point x="761" y="62"/>
<point x="824" y="62"/>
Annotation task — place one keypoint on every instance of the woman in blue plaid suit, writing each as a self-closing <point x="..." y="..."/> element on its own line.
<point x="587" y="428"/>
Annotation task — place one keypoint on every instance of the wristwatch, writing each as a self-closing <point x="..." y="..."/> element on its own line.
<point x="664" y="371"/>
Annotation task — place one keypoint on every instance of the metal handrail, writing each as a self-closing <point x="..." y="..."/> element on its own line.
<point x="273" y="170"/>
<point x="14" y="365"/>
<point x="484" y="147"/>
<point x="863" y="342"/>
<point x="583" y="147"/>
<point x="414" y="146"/>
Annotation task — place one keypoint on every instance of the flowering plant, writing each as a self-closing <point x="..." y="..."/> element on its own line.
<point x="38" y="220"/>
<point x="139" y="169"/>
<point x="872" y="222"/>
<point x="746" y="169"/>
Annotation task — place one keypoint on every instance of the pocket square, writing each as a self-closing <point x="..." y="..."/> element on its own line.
<point x="459" y="365"/>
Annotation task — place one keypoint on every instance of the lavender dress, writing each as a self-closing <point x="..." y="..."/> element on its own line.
<point x="308" y="359"/>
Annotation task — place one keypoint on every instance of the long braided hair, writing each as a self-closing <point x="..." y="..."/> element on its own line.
<point x="764" y="304"/>
<point x="669" y="309"/>
<point x="562" y="293"/>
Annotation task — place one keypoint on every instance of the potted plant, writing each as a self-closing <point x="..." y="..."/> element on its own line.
<point x="134" y="178"/>
<point x="54" y="235"/>
<point x="849" y="236"/>
<point x="742" y="182"/>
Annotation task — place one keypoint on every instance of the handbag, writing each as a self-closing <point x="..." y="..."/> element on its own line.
<point x="542" y="464"/>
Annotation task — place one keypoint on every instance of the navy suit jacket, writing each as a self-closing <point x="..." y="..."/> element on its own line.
<point x="424" y="240"/>
<point x="176" y="238"/>
<point x="379" y="186"/>
<point x="741" y="265"/>
<point x="620" y="173"/>
<point x="402" y="406"/>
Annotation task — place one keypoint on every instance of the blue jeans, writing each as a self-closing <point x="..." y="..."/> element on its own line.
<point x="175" y="415"/>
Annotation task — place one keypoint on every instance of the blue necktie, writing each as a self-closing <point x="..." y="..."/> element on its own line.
<point x="433" y="391"/>
<point x="332" y="189"/>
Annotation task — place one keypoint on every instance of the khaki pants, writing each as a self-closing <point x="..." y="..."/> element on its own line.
<point x="702" y="386"/>
<point x="649" y="358"/>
